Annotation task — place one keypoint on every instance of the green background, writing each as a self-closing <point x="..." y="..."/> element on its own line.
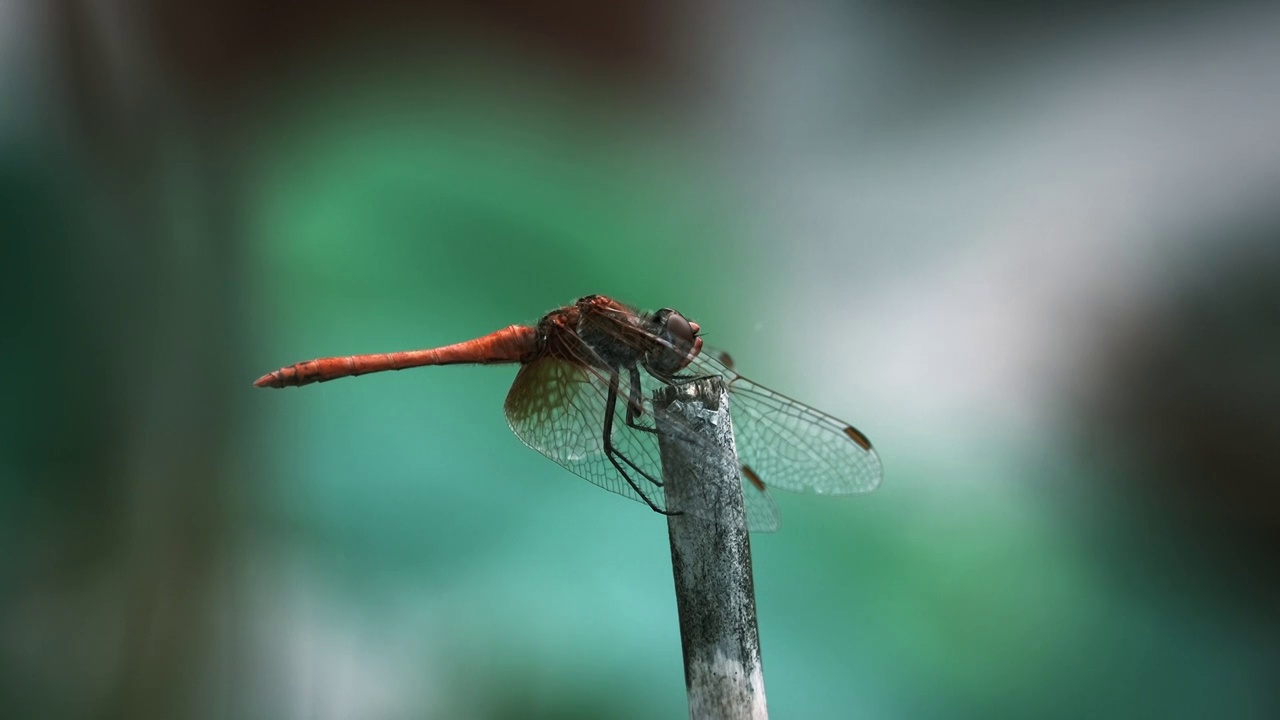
<point x="1060" y="338"/>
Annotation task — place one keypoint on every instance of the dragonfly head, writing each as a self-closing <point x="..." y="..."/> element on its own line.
<point x="679" y="343"/>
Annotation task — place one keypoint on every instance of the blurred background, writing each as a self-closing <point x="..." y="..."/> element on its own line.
<point x="1031" y="249"/>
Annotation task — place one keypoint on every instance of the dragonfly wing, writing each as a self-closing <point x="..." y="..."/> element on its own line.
<point x="762" y="512"/>
<point x="559" y="408"/>
<point x="789" y="445"/>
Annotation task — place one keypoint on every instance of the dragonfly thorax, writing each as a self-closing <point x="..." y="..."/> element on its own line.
<point x="612" y="343"/>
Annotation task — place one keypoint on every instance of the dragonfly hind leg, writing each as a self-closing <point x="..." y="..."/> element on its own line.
<point x="614" y="454"/>
<point x="635" y="407"/>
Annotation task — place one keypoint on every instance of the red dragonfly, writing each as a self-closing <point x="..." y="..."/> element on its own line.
<point x="583" y="397"/>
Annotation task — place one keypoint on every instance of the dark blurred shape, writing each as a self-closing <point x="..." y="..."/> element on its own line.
<point x="218" y="47"/>
<point x="129" y="320"/>
<point x="1040" y="18"/>
<point x="1189" y="406"/>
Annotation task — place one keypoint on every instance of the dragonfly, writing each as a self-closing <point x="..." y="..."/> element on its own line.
<point x="583" y="397"/>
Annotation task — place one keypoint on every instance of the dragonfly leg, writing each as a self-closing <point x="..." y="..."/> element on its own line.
<point x="609" y="449"/>
<point x="640" y="492"/>
<point x="635" y="404"/>
<point x="634" y="410"/>
<point x="613" y="454"/>
<point x="618" y="454"/>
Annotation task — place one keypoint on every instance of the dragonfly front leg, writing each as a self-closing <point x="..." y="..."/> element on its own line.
<point x="614" y="455"/>
<point x="635" y="404"/>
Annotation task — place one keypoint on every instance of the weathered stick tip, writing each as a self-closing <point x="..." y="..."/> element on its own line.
<point x="710" y="552"/>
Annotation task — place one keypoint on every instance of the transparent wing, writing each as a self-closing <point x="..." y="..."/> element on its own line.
<point x="789" y="445"/>
<point x="560" y="409"/>
<point x="762" y="511"/>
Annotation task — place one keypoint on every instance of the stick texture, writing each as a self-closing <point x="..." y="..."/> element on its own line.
<point x="710" y="555"/>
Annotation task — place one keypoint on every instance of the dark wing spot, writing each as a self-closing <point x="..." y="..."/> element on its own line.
<point x="724" y="359"/>
<point x="753" y="477"/>
<point x="858" y="437"/>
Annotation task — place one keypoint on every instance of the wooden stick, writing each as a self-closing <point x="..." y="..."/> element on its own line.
<point x="710" y="555"/>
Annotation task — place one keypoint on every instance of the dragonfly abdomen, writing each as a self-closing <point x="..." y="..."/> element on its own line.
<point x="509" y="345"/>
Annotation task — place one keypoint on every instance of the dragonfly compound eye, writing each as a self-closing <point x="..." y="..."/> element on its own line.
<point x="680" y="345"/>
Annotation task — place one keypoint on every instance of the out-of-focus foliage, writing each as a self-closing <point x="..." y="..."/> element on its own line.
<point x="1031" y="252"/>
